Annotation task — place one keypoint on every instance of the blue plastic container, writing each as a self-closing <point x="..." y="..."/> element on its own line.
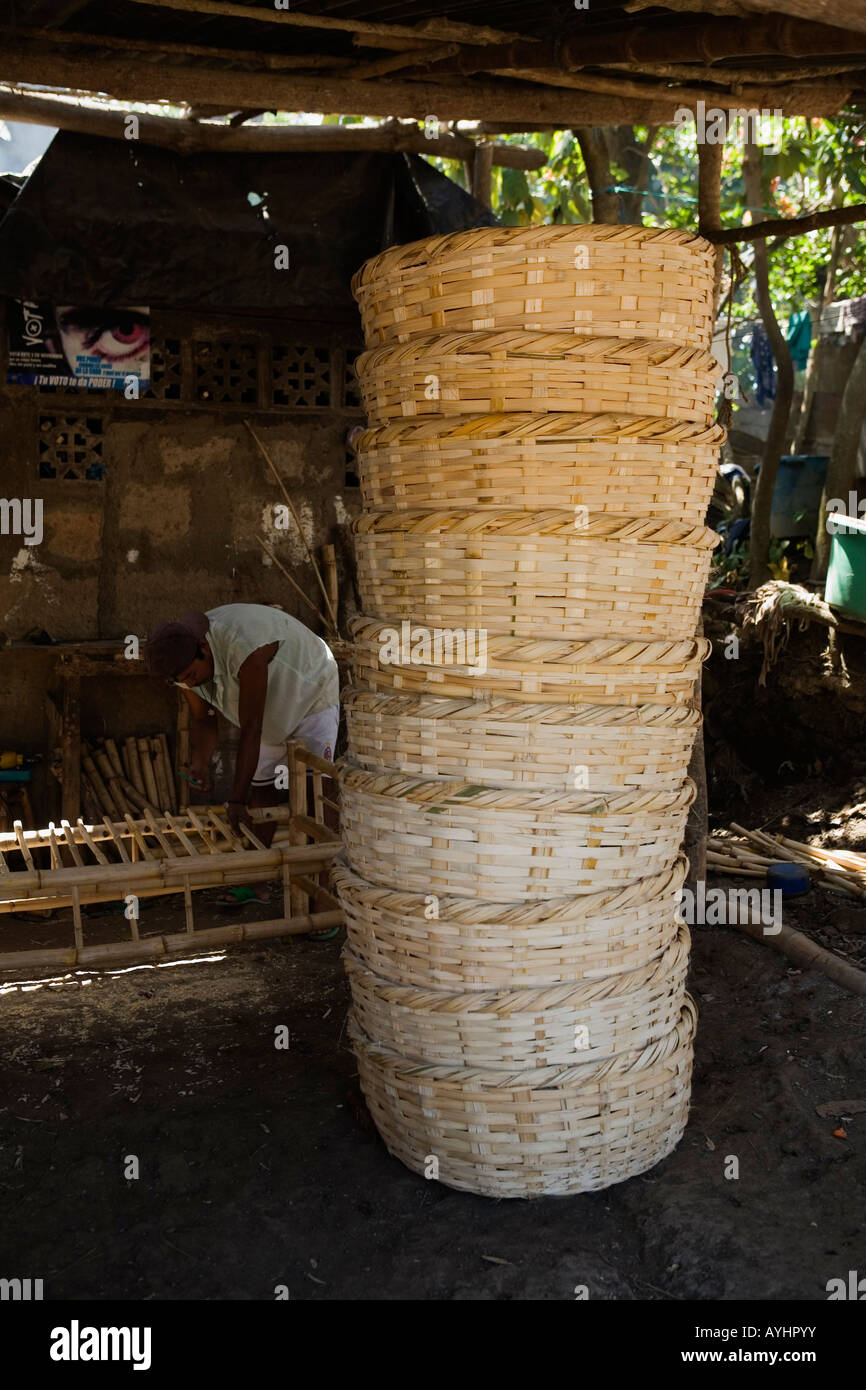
<point x="797" y="495"/>
<point x="790" y="879"/>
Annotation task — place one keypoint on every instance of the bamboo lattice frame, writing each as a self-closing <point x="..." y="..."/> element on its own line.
<point x="513" y="1029"/>
<point x="605" y="281"/>
<point x="484" y="842"/>
<point x="157" y="855"/>
<point x="541" y="1132"/>
<point x="454" y="374"/>
<point x="635" y="466"/>
<point x="461" y="943"/>
<point x="519" y="573"/>
<point x="507" y="743"/>
<point x="598" y="671"/>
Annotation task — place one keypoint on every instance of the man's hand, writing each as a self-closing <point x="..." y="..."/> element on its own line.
<point x="198" y="775"/>
<point x="238" y="814"/>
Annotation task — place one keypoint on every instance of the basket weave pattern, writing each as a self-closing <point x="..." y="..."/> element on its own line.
<point x="508" y="743"/>
<point x="637" y="466"/>
<point x="518" y="573"/>
<point x="485" y="373"/>
<point x="539" y="461"/>
<point x="625" y="282"/>
<point x="473" y="944"/>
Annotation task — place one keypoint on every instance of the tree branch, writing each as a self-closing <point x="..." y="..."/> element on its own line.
<point x="790" y="226"/>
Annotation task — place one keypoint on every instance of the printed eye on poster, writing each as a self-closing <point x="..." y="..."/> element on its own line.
<point x="78" y="345"/>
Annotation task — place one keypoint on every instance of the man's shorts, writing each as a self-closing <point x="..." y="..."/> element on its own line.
<point x="318" y="733"/>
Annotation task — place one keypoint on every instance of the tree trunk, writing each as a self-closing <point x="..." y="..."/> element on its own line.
<point x="813" y="370"/>
<point x="605" y="205"/>
<point x="762" y="497"/>
<point x="843" y="463"/>
<point x="634" y="158"/>
<point x="710" y="206"/>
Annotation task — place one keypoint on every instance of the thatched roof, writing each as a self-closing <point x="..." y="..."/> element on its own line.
<point x="508" y="63"/>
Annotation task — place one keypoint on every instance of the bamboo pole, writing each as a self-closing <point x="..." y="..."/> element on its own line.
<point x="266" y="548"/>
<point x="294" y="511"/>
<point x="164" y="799"/>
<point x="442" y="29"/>
<point x="329" y="561"/>
<point x="103" y="796"/>
<point x="188" y="136"/>
<point x="136" y="776"/>
<point x="114" y="757"/>
<point x="298" y="809"/>
<point x="157" y="947"/>
<point x="148" y="773"/>
<point x="182" y="750"/>
<point x="808" y="955"/>
<point x="168" y="772"/>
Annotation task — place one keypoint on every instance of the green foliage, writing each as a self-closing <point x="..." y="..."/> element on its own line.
<point x="819" y="164"/>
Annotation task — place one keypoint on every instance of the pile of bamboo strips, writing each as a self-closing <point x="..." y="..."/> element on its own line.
<point x="841" y="869"/>
<point x="135" y="776"/>
<point x="576" y="583"/>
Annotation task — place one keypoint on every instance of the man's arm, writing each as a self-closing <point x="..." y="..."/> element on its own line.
<point x="252" y="693"/>
<point x="202" y="738"/>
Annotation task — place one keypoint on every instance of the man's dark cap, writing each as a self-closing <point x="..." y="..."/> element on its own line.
<point x="172" y="646"/>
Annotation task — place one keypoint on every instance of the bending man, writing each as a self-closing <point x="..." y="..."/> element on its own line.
<point x="269" y="675"/>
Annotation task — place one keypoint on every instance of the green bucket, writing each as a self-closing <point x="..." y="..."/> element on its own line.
<point x="846" y="573"/>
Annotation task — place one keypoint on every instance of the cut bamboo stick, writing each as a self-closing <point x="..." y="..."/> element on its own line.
<point x="159" y="774"/>
<point x="148" y="772"/>
<point x="168" y="772"/>
<point x="100" y="790"/>
<point x="114" y="757"/>
<point x="135" y="773"/>
<point x="182" y="748"/>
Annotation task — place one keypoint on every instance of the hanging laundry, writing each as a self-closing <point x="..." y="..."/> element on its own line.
<point x="765" y="368"/>
<point x="800" y="338"/>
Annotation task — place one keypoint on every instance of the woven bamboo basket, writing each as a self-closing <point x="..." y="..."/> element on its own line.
<point x="458" y="943"/>
<point x="607" y="281"/>
<point x="486" y="842"/>
<point x="533" y="1133"/>
<point x="514" y="1029"/>
<point x="520" y="573"/>
<point x="508" y="743"/>
<point x="639" y="466"/>
<point x="480" y="373"/>
<point x="603" y="671"/>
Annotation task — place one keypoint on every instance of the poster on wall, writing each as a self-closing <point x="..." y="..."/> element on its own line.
<point x="78" y="345"/>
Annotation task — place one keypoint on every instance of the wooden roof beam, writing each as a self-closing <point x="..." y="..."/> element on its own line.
<point x="706" y="41"/>
<point x="481" y="99"/>
<point x="440" y="29"/>
<point x="187" y="137"/>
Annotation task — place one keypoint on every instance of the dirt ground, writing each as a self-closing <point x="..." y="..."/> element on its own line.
<point x="260" y="1167"/>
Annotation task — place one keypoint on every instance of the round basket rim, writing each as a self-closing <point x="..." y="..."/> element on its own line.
<point x="560" y="651"/>
<point x="432" y="249"/>
<point x="430" y="999"/>
<point x="480" y="911"/>
<point x="554" y="425"/>
<point x="551" y="522"/>
<point x="441" y="793"/>
<point x="579" y="1075"/>
<point x="658" y="354"/>
<point x="675" y="717"/>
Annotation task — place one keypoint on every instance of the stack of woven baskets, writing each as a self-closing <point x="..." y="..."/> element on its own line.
<point x="538" y="464"/>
